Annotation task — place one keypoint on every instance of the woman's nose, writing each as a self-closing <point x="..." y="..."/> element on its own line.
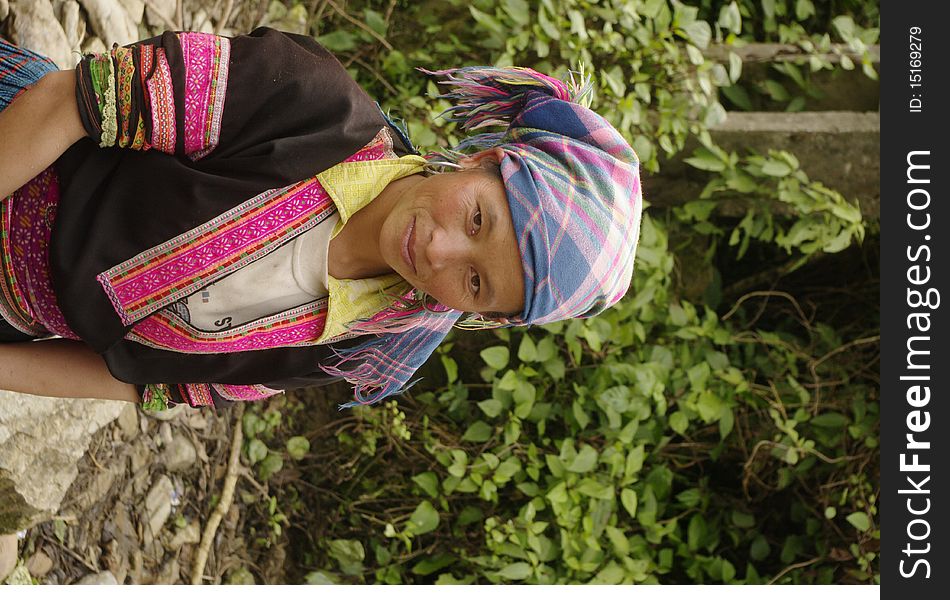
<point x="446" y="248"/>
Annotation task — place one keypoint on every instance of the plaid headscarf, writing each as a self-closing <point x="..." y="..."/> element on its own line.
<point x="573" y="187"/>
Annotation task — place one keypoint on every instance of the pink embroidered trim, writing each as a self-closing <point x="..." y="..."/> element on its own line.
<point x="300" y="326"/>
<point x="243" y="393"/>
<point x="162" y="103"/>
<point x="181" y="266"/>
<point x="32" y="217"/>
<point x="197" y="394"/>
<point x="146" y="283"/>
<point x="206" y="58"/>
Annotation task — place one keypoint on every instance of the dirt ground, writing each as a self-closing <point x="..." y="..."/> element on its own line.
<point x="145" y="490"/>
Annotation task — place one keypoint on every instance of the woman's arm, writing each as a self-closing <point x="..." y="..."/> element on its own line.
<point x="41" y="124"/>
<point x="62" y="369"/>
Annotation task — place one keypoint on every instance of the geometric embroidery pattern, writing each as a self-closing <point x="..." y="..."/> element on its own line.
<point x="206" y="58"/>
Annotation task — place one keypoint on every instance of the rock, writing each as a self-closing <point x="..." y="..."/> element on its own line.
<point x="8" y="554"/>
<point x="170" y="573"/>
<point x="111" y="22"/>
<point x="41" y="439"/>
<point x="129" y="421"/>
<point x="73" y="24"/>
<point x="202" y="22"/>
<point x="101" y="578"/>
<point x="179" y="453"/>
<point x="134" y="8"/>
<point x="39" y="564"/>
<point x="158" y="504"/>
<point x="165" y="433"/>
<point x="36" y="28"/>
<point x="189" y="534"/>
<point x="96" y="490"/>
<point x="93" y="45"/>
<point x="157" y="9"/>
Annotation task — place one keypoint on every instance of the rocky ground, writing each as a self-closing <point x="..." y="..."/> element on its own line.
<point x="63" y="30"/>
<point x="145" y="492"/>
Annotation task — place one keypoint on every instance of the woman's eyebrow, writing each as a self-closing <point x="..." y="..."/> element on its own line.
<point x="490" y="230"/>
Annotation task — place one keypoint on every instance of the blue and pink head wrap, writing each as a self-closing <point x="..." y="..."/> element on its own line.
<point x="573" y="187"/>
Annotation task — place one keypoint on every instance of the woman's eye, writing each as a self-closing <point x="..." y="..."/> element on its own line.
<point x="477" y="220"/>
<point x="476" y="282"/>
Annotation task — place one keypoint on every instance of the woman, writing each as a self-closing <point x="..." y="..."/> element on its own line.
<point x="224" y="219"/>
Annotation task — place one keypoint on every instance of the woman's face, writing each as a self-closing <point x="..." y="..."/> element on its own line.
<point x="451" y="236"/>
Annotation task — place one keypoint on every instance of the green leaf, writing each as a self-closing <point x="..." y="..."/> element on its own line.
<point x="491" y="408"/>
<point x="679" y="422"/>
<point x="479" y="431"/>
<point x="759" y="548"/>
<point x="451" y="368"/>
<point x="619" y="541"/>
<point x="585" y="460"/>
<point x="831" y="512"/>
<point x="297" y="447"/>
<point x="515" y="571"/>
<point x="705" y="160"/>
<point x="428" y="566"/>
<point x="375" y="21"/>
<point x="595" y="489"/>
<point x="831" y="420"/>
<point x="424" y="519"/>
<point x="730" y="18"/>
<point x="527" y="351"/>
<point x="776" y="168"/>
<point x="496" y="357"/>
<point x="487" y="21"/>
<point x="696" y="531"/>
<point x="699" y="33"/>
<point x="518" y="10"/>
<point x="544" y="20"/>
<point x="346" y="551"/>
<point x="338" y="41"/>
<point x="741" y="519"/>
<point x="735" y="67"/>
<point x="271" y="464"/>
<point x="429" y="483"/>
<point x="804" y="9"/>
<point x="628" y="498"/>
<point x="860" y="521"/>
<point x="256" y="451"/>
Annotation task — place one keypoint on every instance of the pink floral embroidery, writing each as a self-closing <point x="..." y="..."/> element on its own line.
<point x="162" y="102"/>
<point x="180" y="266"/>
<point x="30" y="226"/>
<point x="243" y="393"/>
<point x="297" y="327"/>
<point x="206" y="59"/>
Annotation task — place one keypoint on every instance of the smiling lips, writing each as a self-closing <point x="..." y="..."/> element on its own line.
<point x="408" y="246"/>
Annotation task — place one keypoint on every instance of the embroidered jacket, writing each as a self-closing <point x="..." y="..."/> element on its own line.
<point x="216" y="122"/>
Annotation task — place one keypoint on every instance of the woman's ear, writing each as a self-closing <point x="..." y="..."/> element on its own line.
<point x="473" y="161"/>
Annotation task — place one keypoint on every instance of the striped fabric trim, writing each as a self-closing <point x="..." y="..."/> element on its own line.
<point x="301" y="326"/>
<point x="243" y="393"/>
<point x="197" y="394"/>
<point x="162" y="101"/>
<point x="206" y="58"/>
<point x="183" y="265"/>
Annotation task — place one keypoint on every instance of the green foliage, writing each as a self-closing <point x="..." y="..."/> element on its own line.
<point x="705" y="430"/>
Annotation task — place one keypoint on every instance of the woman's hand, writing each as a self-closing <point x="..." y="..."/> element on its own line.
<point x="62" y="369"/>
<point x="41" y="124"/>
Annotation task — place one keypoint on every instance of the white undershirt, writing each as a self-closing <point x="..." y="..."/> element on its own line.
<point x="294" y="274"/>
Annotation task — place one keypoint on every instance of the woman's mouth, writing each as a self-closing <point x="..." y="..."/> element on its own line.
<point x="408" y="250"/>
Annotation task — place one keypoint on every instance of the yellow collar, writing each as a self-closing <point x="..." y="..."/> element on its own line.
<point x="353" y="185"/>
